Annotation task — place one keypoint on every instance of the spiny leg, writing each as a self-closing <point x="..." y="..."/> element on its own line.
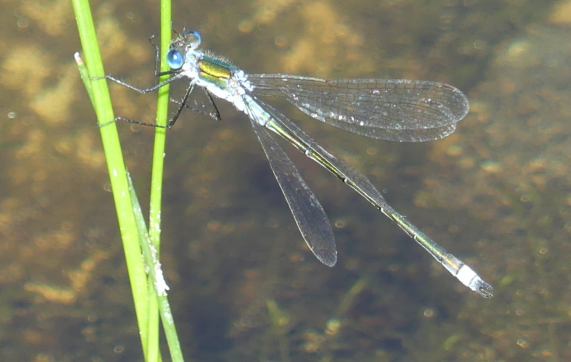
<point x="142" y="91"/>
<point x="158" y="72"/>
<point x="201" y="108"/>
<point x="217" y="112"/>
<point x="177" y="75"/>
<point x="173" y="119"/>
<point x="157" y="55"/>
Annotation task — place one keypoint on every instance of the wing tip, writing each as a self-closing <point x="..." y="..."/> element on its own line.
<point x="327" y="257"/>
<point x="461" y="105"/>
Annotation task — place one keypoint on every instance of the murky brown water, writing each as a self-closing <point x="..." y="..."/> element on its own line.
<point x="497" y="192"/>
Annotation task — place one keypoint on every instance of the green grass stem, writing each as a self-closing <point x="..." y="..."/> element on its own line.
<point x="159" y="152"/>
<point x="156" y="279"/>
<point x="148" y="302"/>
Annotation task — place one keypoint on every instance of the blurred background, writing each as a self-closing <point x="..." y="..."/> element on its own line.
<point x="244" y="287"/>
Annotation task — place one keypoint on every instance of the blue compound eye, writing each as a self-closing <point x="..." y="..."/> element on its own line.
<point x="195" y="43"/>
<point x="191" y="38"/>
<point x="175" y="59"/>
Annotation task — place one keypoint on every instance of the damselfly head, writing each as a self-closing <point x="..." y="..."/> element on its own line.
<point x="183" y="43"/>
<point x="188" y="39"/>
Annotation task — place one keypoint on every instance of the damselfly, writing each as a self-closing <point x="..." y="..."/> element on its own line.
<point x="395" y="110"/>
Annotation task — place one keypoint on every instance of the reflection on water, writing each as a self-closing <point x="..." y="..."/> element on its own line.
<point x="498" y="192"/>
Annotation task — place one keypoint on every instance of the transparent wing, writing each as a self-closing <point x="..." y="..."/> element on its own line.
<point x="394" y="110"/>
<point x="289" y="131"/>
<point x="280" y="125"/>
<point x="305" y="208"/>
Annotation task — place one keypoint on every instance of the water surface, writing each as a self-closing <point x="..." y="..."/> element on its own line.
<point x="497" y="193"/>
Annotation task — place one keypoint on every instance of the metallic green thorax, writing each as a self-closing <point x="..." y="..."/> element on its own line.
<point x="215" y="71"/>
